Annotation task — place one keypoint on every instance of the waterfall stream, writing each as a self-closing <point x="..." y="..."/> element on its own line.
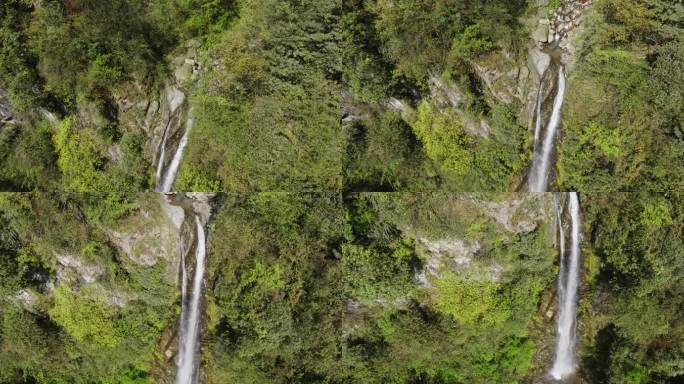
<point x="165" y="177"/>
<point x="568" y="283"/>
<point x="188" y="339"/>
<point x="539" y="173"/>
<point x="538" y="123"/>
<point x="160" y="162"/>
<point x="172" y="171"/>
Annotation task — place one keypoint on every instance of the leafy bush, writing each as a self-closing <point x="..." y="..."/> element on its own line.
<point x="471" y="43"/>
<point x="79" y="158"/>
<point x="467" y="301"/>
<point x="384" y="154"/>
<point x="638" y="241"/>
<point x="444" y="139"/>
<point x="86" y="315"/>
<point x="373" y="275"/>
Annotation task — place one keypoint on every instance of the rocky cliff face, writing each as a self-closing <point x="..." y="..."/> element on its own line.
<point x="514" y="80"/>
<point x="152" y="236"/>
<point x="162" y="117"/>
<point x="516" y="214"/>
<point x="182" y="210"/>
<point x="6" y="116"/>
<point x="148" y="239"/>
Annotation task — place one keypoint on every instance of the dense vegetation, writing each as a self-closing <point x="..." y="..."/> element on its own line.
<point x="304" y="288"/>
<point x="623" y="126"/>
<point x="96" y="321"/>
<point x="370" y="287"/>
<point x="633" y="331"/>
<point x="325" y="95"/>
<point x="81" y="62"/>
<point x="344" y="136"/>
<point x="269" y="109"/>
<point x="314" y="288"/>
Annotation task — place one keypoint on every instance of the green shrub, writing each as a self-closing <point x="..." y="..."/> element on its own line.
<point x="86" y="316"/>
<point x="469" y="302"/>
<point x="471" y="43"/>
<point x="444" y="139"/>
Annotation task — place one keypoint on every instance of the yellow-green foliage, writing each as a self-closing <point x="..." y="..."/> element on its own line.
<point x="592" y="265"/>
<point x="468" y="301"/>
<point x="606" y="140"/>
<point x="84" y="169"/>
<point x="192" y="179"/>
<point x="468" y="162"/>
<point x="86" y="315"/>
<point x="471" y="43"/>
<point x="270" y="277"/>
<point x="656" y="214"/>
<point x="443" y="138"/>
<point x="79" y="157"/>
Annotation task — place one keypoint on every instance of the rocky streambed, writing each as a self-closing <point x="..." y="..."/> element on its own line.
<point x="561" y="21"/>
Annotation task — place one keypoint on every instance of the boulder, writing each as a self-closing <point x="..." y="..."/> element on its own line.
<point x="150" y="237"/>
<point x="69" y="264"/>
<point x="541" y="33"/>
<point x="28" y="300"/>
<point x="458" y="256"/>
<point x="539" y="60"/>
<point x="522" y="213"/>
<point x="5" y="112"/>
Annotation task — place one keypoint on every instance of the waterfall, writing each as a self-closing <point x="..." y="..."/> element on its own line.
<point x="564" y="363"/>
<point x="538" y="116"/>
<point x="561" y="246"/>
<point x="184" y="292"/>
<point x="171" y="173"/>
<point x="175" y="98"/>
<point x="539" y="173"/>
<point x="160" y="164"/>
<point x="188" y="340"/>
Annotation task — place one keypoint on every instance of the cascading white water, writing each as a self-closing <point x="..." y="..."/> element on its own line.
<point x="174" y="99"/>
<point x="160" y="164"/>
<point x="564" y="363"/>
<point x="538" y="116"/>
<point x="184" y="293"/>
<point x="188" y="339"/>
<point x="539" y="173"/>
<point x="172" y="171"/>
<point x="561" y="248"/>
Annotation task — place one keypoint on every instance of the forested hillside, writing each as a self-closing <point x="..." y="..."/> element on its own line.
<point x="327" y="95"/>
<point x="364" y="288"/>
<point x="341" y="192"/>
<point x="623" y="124"/>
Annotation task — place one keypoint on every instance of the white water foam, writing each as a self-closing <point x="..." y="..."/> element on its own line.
<point x="190" y="323"/>
<point x="564" y="364"/>
<point x="539" y="173"/>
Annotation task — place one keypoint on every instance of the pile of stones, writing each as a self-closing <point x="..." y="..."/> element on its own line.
<point x="561" y="21"/>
